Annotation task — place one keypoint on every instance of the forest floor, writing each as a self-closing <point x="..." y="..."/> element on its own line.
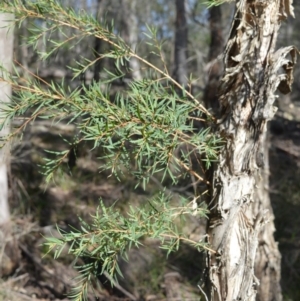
<point x="149" y="274"/>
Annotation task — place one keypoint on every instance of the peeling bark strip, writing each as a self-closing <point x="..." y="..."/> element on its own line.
<point x="253" y="72"/>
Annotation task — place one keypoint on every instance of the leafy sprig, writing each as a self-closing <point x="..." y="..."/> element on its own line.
<point x="111" y="234"/>
<point x="146" y="121"/>
<point x="142" y="126"/>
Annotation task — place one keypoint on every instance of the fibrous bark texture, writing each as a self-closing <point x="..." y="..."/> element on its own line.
<point x="267" y="266"/>
<point x="253" y="72"/>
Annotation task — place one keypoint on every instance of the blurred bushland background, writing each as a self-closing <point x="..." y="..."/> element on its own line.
<point x="37" y="206"/>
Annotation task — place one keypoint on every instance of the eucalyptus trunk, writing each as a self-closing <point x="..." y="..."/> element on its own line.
<point x="253" y="72"/>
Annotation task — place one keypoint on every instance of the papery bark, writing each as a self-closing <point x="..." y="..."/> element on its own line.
<point x="253" y="72"/>
<point x="267" y="266"/>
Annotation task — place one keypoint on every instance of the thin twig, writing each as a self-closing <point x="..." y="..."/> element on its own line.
<point x="119" y="287"/>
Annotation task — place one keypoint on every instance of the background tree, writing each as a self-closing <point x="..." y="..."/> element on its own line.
<point x="130" y="33"/>
<point x="98" y="44"/>
<point x="181" y="44"/>
<point x="214" y="68"/>
<point x="8" y="247"/>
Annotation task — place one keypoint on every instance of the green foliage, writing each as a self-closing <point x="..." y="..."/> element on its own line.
<point x="211" y="3"/>
<point x="139" y="128"/>
<point x="111" y="234"/>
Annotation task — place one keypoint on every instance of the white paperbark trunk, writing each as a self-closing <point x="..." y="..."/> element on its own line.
<point x="253" y="72"/>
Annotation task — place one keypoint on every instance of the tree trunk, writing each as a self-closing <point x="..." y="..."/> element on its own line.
<point x="6" y="50"/>
<point x="98" y="45"/>
<point x="268" y="260"/>
<point x="214" y="69"/>
<point x="253" y="72"/>
<point x="130" y="34"/>
<point x="181" y="41"/>
<point x="8" y="260"/>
